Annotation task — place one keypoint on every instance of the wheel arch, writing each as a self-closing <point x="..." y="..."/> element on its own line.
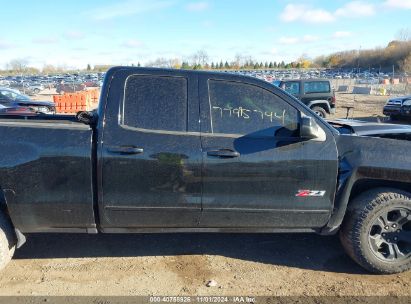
<point x="3" y="203"/>
<point x="366" y="184"/>
<point x="20" y="238"/>
<point x="320" y="103"/>
<point x="352" y="188"/>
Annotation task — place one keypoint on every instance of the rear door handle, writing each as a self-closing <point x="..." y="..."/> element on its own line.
<point x="125" y="150"/>
<point x="223" y="153"/>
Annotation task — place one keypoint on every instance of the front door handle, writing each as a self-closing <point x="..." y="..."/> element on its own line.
<point x="223" y="153"/>
<point x="125" y="150"/>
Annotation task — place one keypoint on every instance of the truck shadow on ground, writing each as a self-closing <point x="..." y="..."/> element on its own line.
<point x="305" y="251"/>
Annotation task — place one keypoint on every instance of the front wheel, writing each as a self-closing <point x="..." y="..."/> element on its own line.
<point x="376" y="231"/>
<point x="319" y="111"/>
<point x="7" y="241"/>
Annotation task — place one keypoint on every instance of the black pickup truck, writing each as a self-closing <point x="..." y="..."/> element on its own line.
<point x="189" y="151"/>
<point x="398" y="108"/>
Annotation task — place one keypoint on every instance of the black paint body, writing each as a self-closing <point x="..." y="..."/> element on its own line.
<point x="59" y="175"/>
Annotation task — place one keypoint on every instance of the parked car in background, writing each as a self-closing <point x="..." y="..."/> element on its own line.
<point x="317" y="94"/>
<point x="28" y="88"/>
<point x="10" y="98"/>
<point x="25" y="111"/>
<point x="368" y="81"/>
<point x="398" y="107"/>
<point x="91" y="83"/>
<point x="4" y="83"/>
<point x="69" y="87"/>
<point x="34" y="89"/>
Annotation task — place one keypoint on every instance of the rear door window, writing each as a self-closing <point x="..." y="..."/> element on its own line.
<point x="316" y="87"/>
<point x="156" y="103"/>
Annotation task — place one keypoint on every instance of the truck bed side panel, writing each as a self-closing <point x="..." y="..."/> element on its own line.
<point x="46" y="175"/>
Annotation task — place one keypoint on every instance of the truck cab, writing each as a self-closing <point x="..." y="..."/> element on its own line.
<point x="184" y="149"/>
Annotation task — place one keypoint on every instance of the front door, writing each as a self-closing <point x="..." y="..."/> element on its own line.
<point x="151" y="159"/>
<point x="257" y="169"/>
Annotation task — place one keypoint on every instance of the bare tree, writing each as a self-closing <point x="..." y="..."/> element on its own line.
<point x="238" y="61"/>
<point x="159" y="63"/>
<point x="49" y="68"/>
<point x="404" y="34"/>
<point x="405" y="65"/>
<point x="173" y="63"/>
<point x="18" y="65"/>
<point x="200" y="58"/>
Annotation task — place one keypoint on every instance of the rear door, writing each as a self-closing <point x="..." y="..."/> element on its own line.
<point x="256" y="167"/>
<point x="151" y="158"/>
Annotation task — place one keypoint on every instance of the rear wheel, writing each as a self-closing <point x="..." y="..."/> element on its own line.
<point x="376" y="232"/>
<point x="319" y="111"/>
<point x="7" y="241"/>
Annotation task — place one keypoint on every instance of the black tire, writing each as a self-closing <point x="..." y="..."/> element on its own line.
<point x="394" y="117"/>
<point x="7" y="241"/>
<point x="36" y="91"/>
<point x="320" y="111"/>
<point x="376" y="230"/>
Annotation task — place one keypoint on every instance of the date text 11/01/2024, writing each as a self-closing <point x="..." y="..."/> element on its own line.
<point x="202" y="299"/>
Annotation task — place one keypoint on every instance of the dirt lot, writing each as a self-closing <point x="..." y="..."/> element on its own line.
<point x="365" y="106"/>
<point x="182" y="264"/>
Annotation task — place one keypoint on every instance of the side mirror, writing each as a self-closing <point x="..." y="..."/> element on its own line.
<point x="87" y="117"/>
<point x="310" y="130"/>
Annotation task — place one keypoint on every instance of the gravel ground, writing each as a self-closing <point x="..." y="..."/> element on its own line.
<point x="182" y="264"/>
<point x="365" y="106"/>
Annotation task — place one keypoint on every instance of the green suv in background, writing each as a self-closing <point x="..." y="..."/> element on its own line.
<point x="317" y="94"/>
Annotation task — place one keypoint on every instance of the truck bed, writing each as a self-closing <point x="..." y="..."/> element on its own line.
<point x="46" y="172"/>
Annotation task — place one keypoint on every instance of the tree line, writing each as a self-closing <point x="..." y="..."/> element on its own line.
<point x="397" y="54"/>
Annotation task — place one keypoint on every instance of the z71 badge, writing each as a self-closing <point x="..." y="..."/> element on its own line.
<point x="304" y="193"/>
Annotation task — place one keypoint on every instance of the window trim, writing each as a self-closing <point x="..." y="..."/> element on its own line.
<point x="121" y="113"/>
<point x="234" y="135"/>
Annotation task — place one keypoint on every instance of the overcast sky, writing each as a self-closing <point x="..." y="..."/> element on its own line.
<point x="73" y="33"/>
